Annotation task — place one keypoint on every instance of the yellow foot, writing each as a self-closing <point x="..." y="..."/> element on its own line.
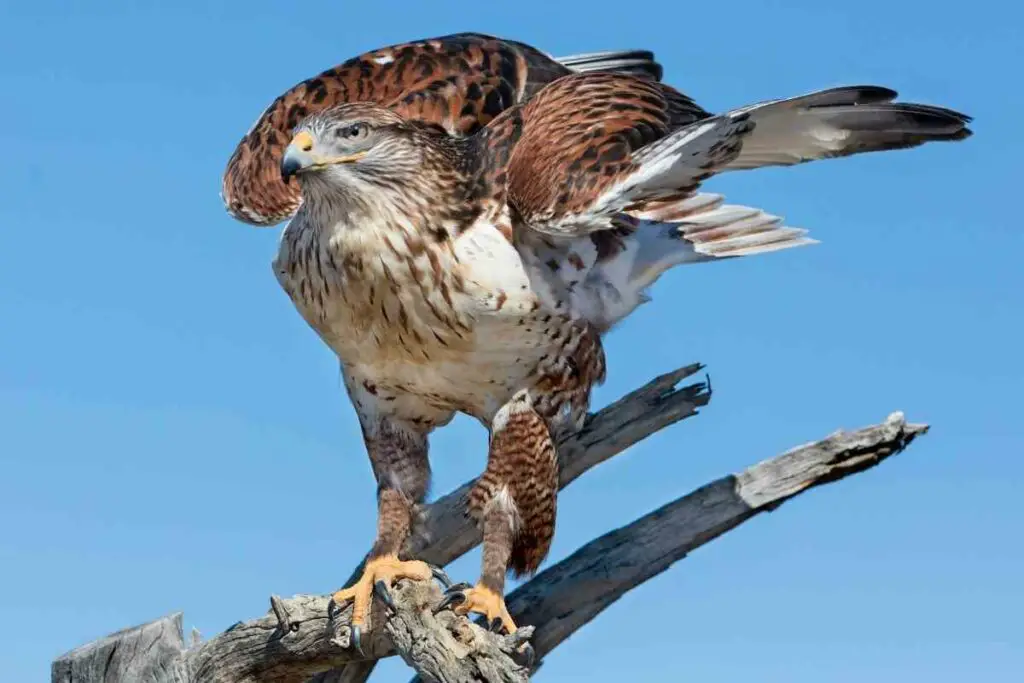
<point x="482" y="600"/>
<point x="379" y="575"/>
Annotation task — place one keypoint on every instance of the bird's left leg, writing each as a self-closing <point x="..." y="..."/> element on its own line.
<point x="515" y="504"/>
<point x="399" y="458"/>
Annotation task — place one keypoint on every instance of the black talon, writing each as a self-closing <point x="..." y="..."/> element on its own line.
<point x="453" y="596"/>
<point x="496" y="625"/>
<point x="441" y="576"/>
<point x="529" y="655"/>
<point x="521" y="645"/>
<point x="521" y="636"/>
<point x="357" y="640"/>
<point x="381" y="590"/>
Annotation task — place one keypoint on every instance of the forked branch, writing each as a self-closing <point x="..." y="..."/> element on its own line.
<point x="297" y="639"/>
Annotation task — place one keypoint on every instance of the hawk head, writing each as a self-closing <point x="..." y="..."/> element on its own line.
<point x="354" y="147"/>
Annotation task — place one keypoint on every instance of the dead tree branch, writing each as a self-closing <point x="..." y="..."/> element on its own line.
<point x="564" y="597"/>
<point x="297" y="639"/>
<point x="449" y="533"/>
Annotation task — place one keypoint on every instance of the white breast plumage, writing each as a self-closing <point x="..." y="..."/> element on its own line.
<point x="459" y="321"/>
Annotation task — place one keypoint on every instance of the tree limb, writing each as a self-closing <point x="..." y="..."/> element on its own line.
<point x="564" y="597"/>
<point x="447" y="534"/>
<point x="297" y="637"/>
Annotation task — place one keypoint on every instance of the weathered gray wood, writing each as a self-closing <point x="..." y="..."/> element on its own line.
<point x="298" y="639"/>
<point x="563" y="598"/>
<point x="449" y="649"/>
<point x="447" y="535"/>
<point x="150" y="653"/>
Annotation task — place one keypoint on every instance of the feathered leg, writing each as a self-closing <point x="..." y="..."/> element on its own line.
<point x="399" y="458"/>
<point x="515" y="504"/>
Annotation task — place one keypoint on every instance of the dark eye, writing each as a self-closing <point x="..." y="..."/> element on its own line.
<point x="353" y="131"/>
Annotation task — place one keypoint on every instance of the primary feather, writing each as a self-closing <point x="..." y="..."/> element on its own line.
<point x="842" y="121"/>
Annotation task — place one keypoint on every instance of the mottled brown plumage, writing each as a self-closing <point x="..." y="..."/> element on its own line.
<point x="458" y="82"/>
<point x="579" y="137"/>
<point x="520" y="483"/>
<point x="477" y="273"/>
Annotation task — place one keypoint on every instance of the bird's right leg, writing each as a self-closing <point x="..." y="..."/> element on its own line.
<point x="514" y="503"/>
<point x="399" y="458"/>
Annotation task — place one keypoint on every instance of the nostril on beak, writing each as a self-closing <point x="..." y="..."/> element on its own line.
<point x="303" y="141"/>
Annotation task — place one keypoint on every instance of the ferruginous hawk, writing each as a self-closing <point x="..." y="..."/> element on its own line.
<point x="477" y="273"/>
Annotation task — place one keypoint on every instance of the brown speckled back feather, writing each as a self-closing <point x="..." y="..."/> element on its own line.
<point x="580" y="134"/>
<point x="459" y="82"/>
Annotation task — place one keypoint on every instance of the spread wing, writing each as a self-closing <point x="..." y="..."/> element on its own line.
<point x="459" y="82"/>
<point x="592" y="146"/>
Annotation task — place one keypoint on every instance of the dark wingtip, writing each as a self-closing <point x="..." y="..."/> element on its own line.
<point x="637" y="62"/>
<point x="872" y="93"/>
<point x="937" y="112"/>
<point x="848" y="95"/>
<point x="878" y="92"/>
<point x="945" y="124"/>
<point x="900" y="122"/>
<point x="961" y="134"/>
<point x="605" y="55"/>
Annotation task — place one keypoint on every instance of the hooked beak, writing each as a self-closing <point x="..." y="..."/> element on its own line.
<point x="299" y="157"/>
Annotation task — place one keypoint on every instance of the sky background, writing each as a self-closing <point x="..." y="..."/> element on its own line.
<point x="174" y="437"/>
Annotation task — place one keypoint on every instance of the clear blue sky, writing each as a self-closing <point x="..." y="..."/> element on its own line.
<point x="175" y="438"/>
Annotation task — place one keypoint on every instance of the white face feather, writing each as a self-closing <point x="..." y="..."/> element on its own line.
<point x="373" y="173"/>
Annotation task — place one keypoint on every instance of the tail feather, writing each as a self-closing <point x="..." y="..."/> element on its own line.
<point x="673" y="209"/>
<point x="697" y="229"/>
<point x="703" y="228"/>
<point x="637" y="62"/>
<point x="750" y="232"/>
<point x="840" y="122"/>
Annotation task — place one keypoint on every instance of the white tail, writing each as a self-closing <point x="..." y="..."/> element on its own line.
<point x="703" y="228"/>
<point x="696" y="230"/>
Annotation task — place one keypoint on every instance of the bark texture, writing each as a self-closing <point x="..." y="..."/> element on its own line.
<point x="298" y="640"/>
